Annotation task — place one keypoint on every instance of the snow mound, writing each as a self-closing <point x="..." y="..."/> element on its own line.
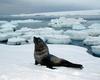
<point x="78" y="27"/>
<point x="16" y="41"/>
<point x="64" y="22"/>
<point x="24" y="21"/>
<point x="58" y="39"/>
<point x="96" y="50"/>
<point x="92" y="41"/>
<point x="94" y="26"/>
<point x="76" y="35"/>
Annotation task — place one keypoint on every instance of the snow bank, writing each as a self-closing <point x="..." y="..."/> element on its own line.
<point x="94" y="26"/>
<point x="3" y="37"/>
<point x="64" y="22"/>
<point x="92" y="41"/>
<point x="16" y="41"/>
<point x="58" y="39"/>
<point x="24" y="21"/>
<point x="76" y="35"/>
<point x="96" y="50"/>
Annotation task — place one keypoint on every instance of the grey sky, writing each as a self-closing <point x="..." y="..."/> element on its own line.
<point x="34" y="6"/>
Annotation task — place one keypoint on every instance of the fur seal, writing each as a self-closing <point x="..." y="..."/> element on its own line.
<point x="43" y="57"/>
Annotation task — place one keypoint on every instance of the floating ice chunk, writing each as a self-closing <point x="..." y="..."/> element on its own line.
<point x="93" y="32"/>
<point x="24" y="30"/>
<point x="58" y="39"/>
<point x="96" y="50"/>
<point x="94" y="26"/>
<point x="92" y="41"/>
<point x="76" y="35"/>
<point x="14" y="34"/>
<point x="78" y="27"/>
<point x="16" y="41"/>
<point x="6" y="30"/>
<point x="3" y="37"/>
<point x="2" y="22"/>
<point x="8" y="25"/>
<point x="47" y="31"/>
<point x="65" y="22"/>
<point x="24" y="21"/>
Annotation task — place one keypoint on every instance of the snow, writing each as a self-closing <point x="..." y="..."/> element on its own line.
<point x="94" y="26"/>
<point x="17" y="63"/>
<point x="96" y="50"/>
<point x="16" y="41"/>
<point x="92" y="41"/>
<point x="65" y="22"/>
<point x="76" y="35"/>
<point x="58" y="39"/>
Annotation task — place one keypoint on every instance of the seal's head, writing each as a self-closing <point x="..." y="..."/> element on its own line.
<point x="39" y="43"/>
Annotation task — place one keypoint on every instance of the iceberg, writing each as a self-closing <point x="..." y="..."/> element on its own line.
<point x="76" y="35"/>
<point x="92" y="41"/>
<point x="96" y="50"/>
<point x="78" y="27"/>
<point x="65" y="22"/>
<point x="3" y="37"/>
<point x="8" y="25"/>
<point x="6" y="30"/>
<point x="94" y="26"/>
<point x="58" y="39"/>
<point x="16" y="41"/>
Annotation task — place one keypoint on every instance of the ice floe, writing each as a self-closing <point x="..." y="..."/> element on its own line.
<point x="96" y="50"/>
<point x="58" y="39"/>
<point x="65" y="22"/>
<point x="76" y="35"/>
<point x="16" y="41"/>
<point x="92" y="41"/>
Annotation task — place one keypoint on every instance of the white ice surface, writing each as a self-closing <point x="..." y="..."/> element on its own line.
<point x="16" y="41"/>
<point x="94" y="26"/>
<point x="76" y="35"/>
<point x="65" y="22"/>
<point x="92" y="41"/>
<point x="57" y="39"/>
<point x="17" y="63"/>
<point x="96" y="49"/>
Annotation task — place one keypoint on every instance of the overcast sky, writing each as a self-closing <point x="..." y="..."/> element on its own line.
<point x="35" y="6"/>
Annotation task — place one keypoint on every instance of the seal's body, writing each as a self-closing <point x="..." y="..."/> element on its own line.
<point x="42" y="56"/>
